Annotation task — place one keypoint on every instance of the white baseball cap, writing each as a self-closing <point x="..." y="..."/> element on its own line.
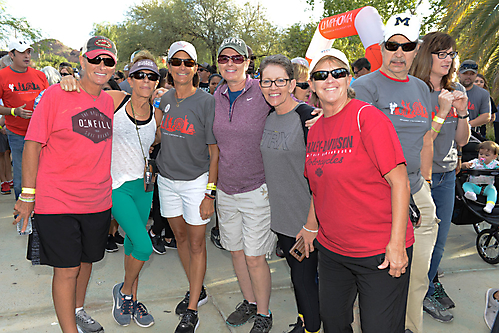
<point x="19" y="45"/>
<point x="183" y="46"/>
<point x="403" y="24"/>
<point x="301" y="61"/>
<point x="329" y="52"/>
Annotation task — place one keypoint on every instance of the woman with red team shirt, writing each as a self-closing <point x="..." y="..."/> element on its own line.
<point x="359" y="207"/>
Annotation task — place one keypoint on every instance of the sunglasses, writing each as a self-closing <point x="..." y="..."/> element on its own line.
<point x="406" y="47"/>
<point x="443" y="55"/>
<point x="178" y="62"/>
<point x="302" y="85"/>
<point x="65" y="74"/>
<point x="142" y="76"/>
<point x="201" y="69"/>
<point x="108" y="62"/>
<point x="337" y="73"/>
<point x="237" y="59"/>
<point x="278" y="83"/>
<point x="468" y="66"/>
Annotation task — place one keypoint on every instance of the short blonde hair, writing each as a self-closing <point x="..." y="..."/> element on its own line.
<point x="490" y="146"/>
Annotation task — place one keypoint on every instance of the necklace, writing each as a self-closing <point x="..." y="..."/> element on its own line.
<point x="133" y="111"/>
<point x="94" y="97"/>
<point x="178" y="102"/>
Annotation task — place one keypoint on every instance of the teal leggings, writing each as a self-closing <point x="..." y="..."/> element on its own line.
<point x="131" y="207"/>
<point x="489" y="191"/>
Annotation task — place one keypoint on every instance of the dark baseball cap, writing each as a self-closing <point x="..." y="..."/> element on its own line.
<point x="468" y="65"/>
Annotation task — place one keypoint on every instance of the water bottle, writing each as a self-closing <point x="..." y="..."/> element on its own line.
<point x="157" y="100"/>
<point x="37" y="100"/>
<point x="29" y="229"/>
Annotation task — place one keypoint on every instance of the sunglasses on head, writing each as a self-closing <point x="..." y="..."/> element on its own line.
<point x="406" y="47"/>
<point x="469" y="66"/>
<point x="142" y="76"/>
<point x="337" y="73"/>
<point x="178" y="62"/>
<point x="108" y="62"/>
<point x="302" y="85"/>
<point x="443" y="55"/>
<point x="237" y="59"/>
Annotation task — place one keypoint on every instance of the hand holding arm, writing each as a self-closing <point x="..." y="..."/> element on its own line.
<point x="69" y="83"/>
<point x="310" y="122"/>
<point x="312" y="224"/>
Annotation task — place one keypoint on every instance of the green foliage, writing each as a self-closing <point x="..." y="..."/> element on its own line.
<point x="10" y="25"/>
<point x="296" y="39"/>
<point x="53" y="60"/>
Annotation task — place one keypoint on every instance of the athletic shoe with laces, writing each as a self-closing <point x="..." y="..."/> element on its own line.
<point x="441" y="296"/>
<point x="6" y="188"/>
<point x="491" y="307"/>
<point x="298" y="327"/>
<point x="182" y="306"/>
<point x="433" y="307"/>
<point x="141" y="316"/>
<point x="158" y="243"/>
<point x="244" y="312"/>
<point x="118" y="239"/>
<point x="11" y="183"/>
<point x="215" y="238"/>
<point x="172" y="244"/>
<point x="123" y="306"/>
<point x="262" y="324"/>
<point x="85" y="323"/>
<point x="111" y="244"/>
<point x="188" y="323"/>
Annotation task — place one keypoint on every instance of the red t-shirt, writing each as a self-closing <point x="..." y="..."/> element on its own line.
<point x="345" y="167"/>
<point x="74" y="170"/>
<point x="17" y="89"/>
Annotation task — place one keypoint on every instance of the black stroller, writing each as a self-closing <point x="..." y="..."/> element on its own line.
<point x="471" y="212"/>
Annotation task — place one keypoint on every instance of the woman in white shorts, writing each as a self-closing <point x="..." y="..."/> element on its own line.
<point x="187" y="163"/>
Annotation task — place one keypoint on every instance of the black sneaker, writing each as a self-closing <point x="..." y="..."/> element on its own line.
<point x="172" y="245"/>
<point x="118" y="238"/>
<point x="298" y="327"/>
<point x="436" y="310"/>
<point x="182" y="306"/>
<point x="244" y="312"/>
<point x="111" y="244"/>
<point x="262" y="324"/>
<point x="189" y="322"/>
<point x="158" y="243"/>
<point x="215" y="238"/>
<point x="441" y="296"/>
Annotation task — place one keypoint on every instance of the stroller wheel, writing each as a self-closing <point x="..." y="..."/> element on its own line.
<point x="487" y="245"/>
<point x="481" y="226"/>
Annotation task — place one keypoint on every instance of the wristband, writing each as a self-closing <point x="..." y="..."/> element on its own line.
<point x="13" y="112"/>
<point x="206" y="195"/>
<point x="463" y="117"/>
<point x="211" y="186"/>
<point x="28" y="190"/>
<point x="438" y="120"/>
<point x="435" y="129"/>
<point x="314" y="231"/>
<point x="23" y="199"/>
<point x="1" y="127"/>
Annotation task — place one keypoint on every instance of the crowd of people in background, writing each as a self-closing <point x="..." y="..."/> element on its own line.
<point x="317" y="161"/>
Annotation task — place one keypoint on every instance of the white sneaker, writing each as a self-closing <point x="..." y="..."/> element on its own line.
<point x="488" y="207"/>
<point x="491" y="307"/>
<point x="470" y="195"/>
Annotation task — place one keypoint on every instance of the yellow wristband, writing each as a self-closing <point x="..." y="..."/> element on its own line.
<point x="28" y="190"/>
<point x="211" y="186"/>
<point x="438" y="120"/>
<point x="1" y="127"/>
<point x="435" y="129"/>
<point x="12" y="112"/>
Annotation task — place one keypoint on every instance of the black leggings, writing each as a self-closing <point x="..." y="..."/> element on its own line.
<point x="303" y="276"/>
<point x="160" y="222"/>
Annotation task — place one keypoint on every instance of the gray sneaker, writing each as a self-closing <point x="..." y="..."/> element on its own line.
<point x="244" y="312"/>
<point x="86" y="324"/>
<point x="262" y="324"/>
<point x="436" y="310"/>
<point x="491" y="307"/>
<point x="123" y="306"/>
<point x="141" y="316"/>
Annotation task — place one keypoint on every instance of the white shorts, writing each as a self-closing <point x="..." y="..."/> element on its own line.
<point x="183" y="198"/>
<point x="244" y="221"/>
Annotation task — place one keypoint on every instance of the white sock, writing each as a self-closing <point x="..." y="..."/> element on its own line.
<point x="78" y="309"/>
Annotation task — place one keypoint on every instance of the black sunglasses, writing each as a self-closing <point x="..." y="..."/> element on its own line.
<point x="108" y="62"/>
<point x="178" y="62"/>
<point x="142" y="76"/>
<point x="337" y="73"/>
<point x="443" y="55"/>
<point x="302" y="85"/>
<point x="406" y="47"/>
<point x="237" y="59"/>
<point x="65" y="74"/>
<point x="201" y="69"/>
<point x="468" y="67"/>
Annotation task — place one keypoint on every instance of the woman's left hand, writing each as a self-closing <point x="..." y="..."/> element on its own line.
<point x="396" y="258"/>
<point x="312" y="121"/>
<point x="207" y="208"/>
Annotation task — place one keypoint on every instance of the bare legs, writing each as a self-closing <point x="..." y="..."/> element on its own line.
<point x="132" y="270"/>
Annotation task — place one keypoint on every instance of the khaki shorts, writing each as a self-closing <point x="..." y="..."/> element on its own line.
<point x="244" y="220"/>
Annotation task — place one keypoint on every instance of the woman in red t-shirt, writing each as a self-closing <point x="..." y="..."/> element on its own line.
<point x="359" y="208"/>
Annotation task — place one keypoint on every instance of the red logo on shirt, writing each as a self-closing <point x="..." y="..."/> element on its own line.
<point x="471" y="106"/>
<point x="93" y="124"/>
<point x="417" y="110"/>
<point x="179" y="124"/>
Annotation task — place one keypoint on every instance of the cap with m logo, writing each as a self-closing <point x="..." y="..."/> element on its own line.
<point x="403" y="24"/>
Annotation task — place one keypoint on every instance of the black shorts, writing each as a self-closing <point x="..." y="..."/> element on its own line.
<point x="4" y="143"/>
<point x="66" y="240"/>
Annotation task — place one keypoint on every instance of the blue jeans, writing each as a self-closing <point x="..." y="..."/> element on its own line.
<point x="16" y="143"/>
<point x="443" y="192"/>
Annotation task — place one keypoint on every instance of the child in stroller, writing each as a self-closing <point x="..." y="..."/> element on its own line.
<point x="487" y="160"/>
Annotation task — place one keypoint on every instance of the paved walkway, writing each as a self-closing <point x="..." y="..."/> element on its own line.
<point x="27" y="302"/>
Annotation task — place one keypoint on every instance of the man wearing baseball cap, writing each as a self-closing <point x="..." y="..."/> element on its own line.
<point x="405" y="99"/>
<point x="19" y="86"/>
<point x="67" y="163"/>
<point x="478" y="98"/>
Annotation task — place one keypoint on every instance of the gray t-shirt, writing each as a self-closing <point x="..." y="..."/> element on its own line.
<point x="478" y="101"/>
<point x="283" y="152"/>
<point x="407" y="105"/>
<point x="186" y="132"/>
<point x="444" y="147"/>
<point x="125" y="86"/>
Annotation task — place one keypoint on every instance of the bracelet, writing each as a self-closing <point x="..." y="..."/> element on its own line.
<point x="206" y="195"/>
<point x="23" y="199"/>
<point x="211" y="186"/>
<point x="13" y="112"/>
<point x="1" y="127"/>
<point x="314" y="231"/>
<point x="433" y="128"/>
<point x="28" y="190"/>
<point x="463" y="117"/>
<point x="438" y="120"/>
